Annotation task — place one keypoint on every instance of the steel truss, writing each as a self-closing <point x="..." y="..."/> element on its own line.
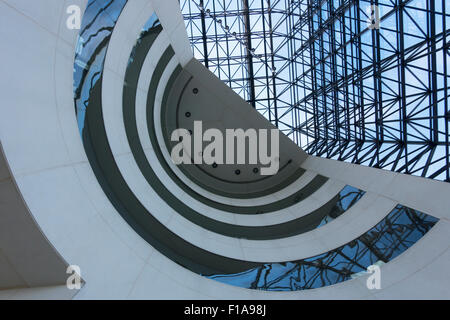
<point x="348" y="83"/>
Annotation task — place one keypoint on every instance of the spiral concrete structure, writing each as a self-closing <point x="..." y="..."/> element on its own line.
<point x="86" y="179"/>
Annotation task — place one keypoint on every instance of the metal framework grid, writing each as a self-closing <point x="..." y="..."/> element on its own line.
<point x="360" y="81"/>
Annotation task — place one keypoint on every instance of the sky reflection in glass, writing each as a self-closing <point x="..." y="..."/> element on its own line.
<point x="397" y="232"/>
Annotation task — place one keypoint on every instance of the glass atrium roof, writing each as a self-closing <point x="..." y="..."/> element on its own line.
<point x="360" y="81"/>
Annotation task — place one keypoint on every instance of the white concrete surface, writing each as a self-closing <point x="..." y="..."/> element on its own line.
<point x="46" y="156"/>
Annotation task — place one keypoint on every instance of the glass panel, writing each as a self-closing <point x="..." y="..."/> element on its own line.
<point x="347" y="198"/>
<point x="97" y="25"/>
<point x="397" y="232"/>
<point x="327" y="67"/>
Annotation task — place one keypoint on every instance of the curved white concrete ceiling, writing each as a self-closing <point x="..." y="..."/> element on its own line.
<point x="102" y="188"/>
